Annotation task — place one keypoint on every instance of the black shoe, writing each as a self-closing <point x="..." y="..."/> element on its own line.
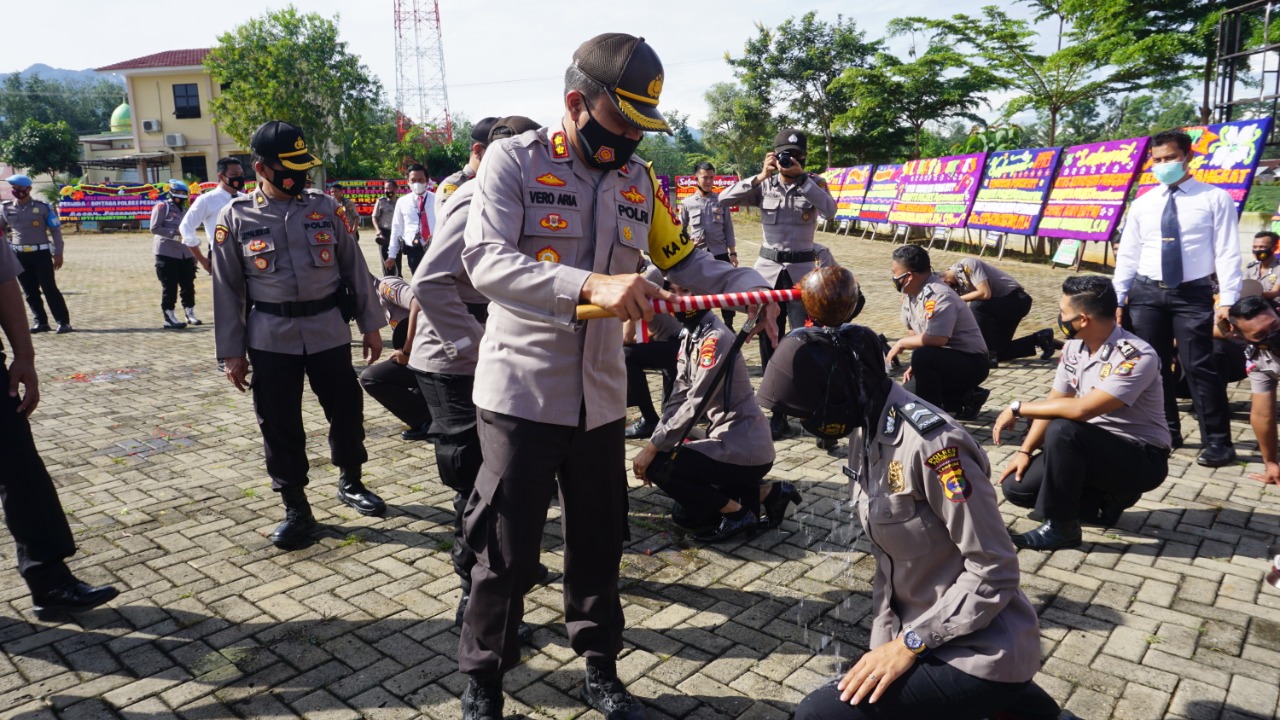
<point x="40" y="327"/>
<point x="827" y="443"/>
<point x="482" y="699"/>
<point x="1111" y="509"/>
<point x="779" y="428"/>
<point x="462" y="610"/>
<point x="1044" y="341"/>
<point x="422" y="433"/>
<point x="730" y="525"/>
<point x="1050" y="536"/>
<point x="972" y="403"/>
<point x="352" y="492"/>
<point x="1216" y="455"/>
<point x="640" y="429"/>
<point x="171" y="321"/>
<point x="604" y="692"/>
<point x="775" y="505"/>
<point x="63" y="328"/>
<point x="298" y="523"/>
<point x="992" y="361"/>
<point x="1175" y="440"/>
<point x="72" y="596"/>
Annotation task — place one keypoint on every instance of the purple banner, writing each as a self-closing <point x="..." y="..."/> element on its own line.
<point x="1014" y="188"/>
<point x="938" y="192"/>
<point x="881" y="194"/>
<point x="1091" y="189"/>
<point x="850" y="191"/>
<point x="1226" y="156"/>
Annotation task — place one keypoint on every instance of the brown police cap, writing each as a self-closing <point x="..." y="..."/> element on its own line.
<point x="632" y="73"/>
<point x="279" y="140"/>
<point x="791" y="139"/>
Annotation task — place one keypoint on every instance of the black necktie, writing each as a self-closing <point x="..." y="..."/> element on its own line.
<point x="1171" y="244"/>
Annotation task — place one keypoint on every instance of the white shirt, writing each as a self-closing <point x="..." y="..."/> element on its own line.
<point x="1210" y="239"/>
<point x="204" y="210"/>
<point x="405" y="227"/>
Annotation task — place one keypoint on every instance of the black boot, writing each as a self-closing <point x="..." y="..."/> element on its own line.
<point x="779" y="427"/>
<point x="775" y="503"/>
<point x="971" y="406"/>
<point x="482" y="699"/>
<point x="1052" y="535"/>
<point x="72" y="596"/>
<point x="604" y="692"/>
<point x="41" y="326"/>
<point x="1044" y="340"/>
<point x="352" y="492"/>
<point x="298" y="523"/>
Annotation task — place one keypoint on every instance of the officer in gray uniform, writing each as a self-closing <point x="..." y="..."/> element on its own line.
<point x="1255" y="320"/>
<point x="30" y="225"/>
<point x="998" y="303"/>
<point x="710" y="224"/>
<point x="1101" y="432"/>
<point x="559" y="217"/>
<point x="391" y="382"/>
<point x="175" y="263"/>
<point x="384" y="213"/>
<point x="657" y="352"/>
<point x="350" y="213"/>
<point x="283" y="262"/>
<point x="1265" y="267"/>
<point x="948" y="354"/>
<point x="479" y="141"/>
<point x="790" y="201"/>
<point x="952" y="634"/>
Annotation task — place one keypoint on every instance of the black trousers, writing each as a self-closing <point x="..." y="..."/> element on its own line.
<point x="458" y="456"/>
<point x="37" y="276"/>
<point x="931" y="689"/>
<point x="414" y="254"/>
<point x="702" y="486"/>
<point x="32" y="511"/>
<point x="656" y="355"/>
<point x="942" y="376"/>
<point x="175" y="274"/>
<point x="395" y="387"/>
<point x="998" y="320"/>
<point x="1160" y="316"/>
<point x="383" y="242"/>
<point x="277" y="400"/>
<point x="524" y="461"/>
<point x="1080" y="466"/>
<point x="792" y="312"/>
<point x="726" y="313"/>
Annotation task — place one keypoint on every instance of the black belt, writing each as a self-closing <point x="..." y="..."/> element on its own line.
<point x="1205" y="281"/>
<point x="787" y="256"/>
<point x="297" y="309"/>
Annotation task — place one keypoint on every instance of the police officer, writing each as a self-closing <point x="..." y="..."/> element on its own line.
<point x="1265" y="267"/>
<point x="658" y="352"/>
<point x="952" y="634"/>
<point x="1255" y="320"/>
<point x="790" y="201"/>
<point x="384" y="212"/>
<point x="710" y="224"/>
<point x="479" y="141"/>
<point x="29" y="223"/>
<point x="560" y="216"/>
<point x="1100" y="432"/>
<point x="391" y="382"/>
<point x="998" y="303"/>
<point x="283" y="259"/>
<point x="948" y="354"/>
<point x="175" y="263"/>
<point x="350" y="213"/>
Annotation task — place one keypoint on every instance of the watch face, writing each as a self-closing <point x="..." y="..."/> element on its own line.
<point x="912" y="640"/>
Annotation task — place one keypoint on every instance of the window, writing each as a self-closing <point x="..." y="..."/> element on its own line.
<point x="186" y="101"/>
<point x="195" y="166"/>
<point x="246" y="164"/>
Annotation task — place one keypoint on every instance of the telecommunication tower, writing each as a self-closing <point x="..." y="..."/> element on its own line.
<point x="422" y="98"/>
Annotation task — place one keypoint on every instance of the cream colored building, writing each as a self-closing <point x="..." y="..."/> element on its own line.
<point x="166" y="129"/>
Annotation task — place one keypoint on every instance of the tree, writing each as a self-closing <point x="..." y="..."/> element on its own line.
<point x="664" y="153"/>
<point x="292" y="67"/>
<point x="797" y="64"/>
<point x="42" y="147"/>
<point x="736" y="128"/>
<point x="85" y="106"/>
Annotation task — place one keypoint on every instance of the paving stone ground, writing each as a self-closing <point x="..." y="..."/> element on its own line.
<point x="159" y="465"/>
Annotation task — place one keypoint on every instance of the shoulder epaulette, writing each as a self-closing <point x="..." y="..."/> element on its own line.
<point x="1127" y="349"/>
<point x="918" y="416"/>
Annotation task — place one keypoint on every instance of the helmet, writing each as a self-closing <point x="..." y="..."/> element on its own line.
<point x="19" y="181"/>
<point x="178" y="189"/>
<point x="831" y="295"/>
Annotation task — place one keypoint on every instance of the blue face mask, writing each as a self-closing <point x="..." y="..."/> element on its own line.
<point x="1169" y="173"/>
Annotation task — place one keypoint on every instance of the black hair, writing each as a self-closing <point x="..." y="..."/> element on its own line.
<point x="1268" y="234"/>
<point x="704" y="165"/>
<point x="416" y="167"/>
<point x="1176" y="137"/>
<point x="576" y="79"/>
<point x="913" y="257"/>
<point x="1247" y="308"/>
<point x="226" y="162"/>
<point x="1093" y="295"/>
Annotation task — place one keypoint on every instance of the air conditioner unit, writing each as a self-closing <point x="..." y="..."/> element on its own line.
<point x="175" y="140"/>
<point x="151" y="126"/>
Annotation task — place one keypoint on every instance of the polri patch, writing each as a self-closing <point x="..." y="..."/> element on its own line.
<point x="946" y="462"/>
<point x="220" y="234"/>
<point x="323" y="238"/>
<point x="547" y="254"/>
<point x="257" y="245"/>
<point x="317" y="215"/>
<point x="632" y="195"/>
<point x="929" y="307"/>
<point x="554" y="222"/>
<point x="1126" y="368"/>
<point x="260" y="263"/>
<point x="707" y="353"/>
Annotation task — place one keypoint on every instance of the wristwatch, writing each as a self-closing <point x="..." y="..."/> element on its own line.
<point x="914" y="643"/>
<point x="1015" y="407"/>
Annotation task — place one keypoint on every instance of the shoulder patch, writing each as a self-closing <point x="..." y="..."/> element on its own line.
<point x="946" y="462"/>
<point x="1126" y="349"/>
<point x="927" y="292"/>
<point x="220" y="234"/>
<point x="919" y="417"/>
<point x="707" y="353"/>
<point x="446" y="190"/>
<point x="929" y="307"/>
<point x="1125" y="368"/>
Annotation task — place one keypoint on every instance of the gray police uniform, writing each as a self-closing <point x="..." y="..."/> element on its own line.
<point x="36" y="235"/>
<point x="789" y="215"/>
<point x="998" y="316"/>
<point x="175" y="264"/>
<point x="1267" y="273"/>
<point x="658" y="353"/>
<point x="384" y="212"/>
<point x="351" y="216"/>
<point x="1110" y="460"/>
<point x="942" y="375"/>
<point x="710" y="226"/>
<point x="548" y="387"/>
<point x="277" y="267"/>
<point x="1263" y="368"/>
<point x="393" y="385"/>
<point x="450" y="185"/>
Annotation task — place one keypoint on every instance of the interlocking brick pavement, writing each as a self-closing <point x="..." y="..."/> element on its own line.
<point x="159" y="464"/>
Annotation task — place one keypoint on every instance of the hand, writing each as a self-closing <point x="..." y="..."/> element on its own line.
<point x="906" y="375"/>
<point x="1004" y="420"/>
<point x="1222" y="314"/>
<point x="390" y="264"/>
<point x="733" y="259"/>
<point x="372" y="346"/>
<point x="237" y="369"/>
<point x="626" y="296"/>
<point x="1120" y="315"/>
<point x="1017" y="466"/>
<point x="1270" y="475"/>
<point x="768" y="326"/>
<point x="640" y="465"/>
<point x="398" y="357"/>
<point x="23" y="373"/>
<point x="770" y="167"/>
<point x="894" y="352"/>
<point x="875" y="672"/>
<point x="208" y="266"/>
<point x="57" y="262"/>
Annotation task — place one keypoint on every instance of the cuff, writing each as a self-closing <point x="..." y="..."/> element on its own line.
<point x="568" y="295"/>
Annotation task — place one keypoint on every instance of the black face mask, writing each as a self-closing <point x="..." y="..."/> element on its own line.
<point x="389" y="194"/>
<point x="1065" y="326"/>
<point x="1263" y="255"/>
<point x="900" y="281"/>
<point x="691" y="319"/>
<point x="236" y="183"/>
<point x="604" y="150"/>
<point x="290" y="182"/>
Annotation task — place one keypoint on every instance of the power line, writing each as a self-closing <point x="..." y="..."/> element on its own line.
<point x="561" y="77"/>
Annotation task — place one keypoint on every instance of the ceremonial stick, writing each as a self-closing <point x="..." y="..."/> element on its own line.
<point x="687" y="303"/>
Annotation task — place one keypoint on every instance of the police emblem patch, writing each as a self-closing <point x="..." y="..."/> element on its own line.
<point x="1126" y="368"/>
<point x="604" y="154"/>
<point x="220" y="234"/>
<point x="707" y="353"/>
<point x="547" y="254"/>
<point x="549" y="179"/>
<point x="1106" y="370"/>
<point x="897" y="480"/>
<point x="929" y="307"/>
<point x="257" y="245"/>
<point x="632" y="195"/>
<point x="323" y="237"/>
<point x="946" y="462"/>
<point x="260" y="263"/>
<point x="554" y="222"/>
<point x="325" y="255"/>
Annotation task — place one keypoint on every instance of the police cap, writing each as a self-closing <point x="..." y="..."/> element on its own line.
<point x="511" y="126"/>
<point x="480" y="131"/>
<point x="178" y="189"/>
<point x="279" y="140"/>
<point x="823" y="376"/>
<point x="632" y="74"/>
<point x="791" y="139"/>
<point x="19" y="181"/>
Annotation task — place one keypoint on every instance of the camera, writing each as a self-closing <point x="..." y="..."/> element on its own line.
<point x="785" y="159"/>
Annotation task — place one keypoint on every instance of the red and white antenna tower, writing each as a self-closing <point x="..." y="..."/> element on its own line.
<point x="422" y="98"/>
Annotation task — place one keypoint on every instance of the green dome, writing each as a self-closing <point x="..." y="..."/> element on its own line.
<point x="122" y="119"/>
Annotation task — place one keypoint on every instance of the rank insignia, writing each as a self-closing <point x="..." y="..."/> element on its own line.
<point x="257" y="245"/>
<point x="1126" y="368"/>
<point x="626" y="233"/>
<point x="946" y="462"/>
<point x="604" y="155"/>
<point x="1126" y="349"/>
<point x="323" y="238"/>
<point x="325" y="255"/>
<point x="897" y="482"/>
<point x="554" y="222"/>
<point x="446" y="190"/>
<point x="632" y="195"/>
<point x="559" y="146"/>
<point x="891" y="421"/>
<point x="1106" y="370"/>
<point x="35" y="223"/>
<point x="707" y="353"/>
<point x="220" y="234"/>
<point x="547" y="254"/>
<point x="260" y="263"/>
<point x="929" y="307"/>
<point x="316" y="216"/>
<point x="549" y="179"/>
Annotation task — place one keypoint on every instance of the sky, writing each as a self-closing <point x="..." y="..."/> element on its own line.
<point x="502" y="57"/>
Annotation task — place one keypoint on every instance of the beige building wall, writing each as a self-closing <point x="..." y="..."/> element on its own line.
<point x="151" y="97"/>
